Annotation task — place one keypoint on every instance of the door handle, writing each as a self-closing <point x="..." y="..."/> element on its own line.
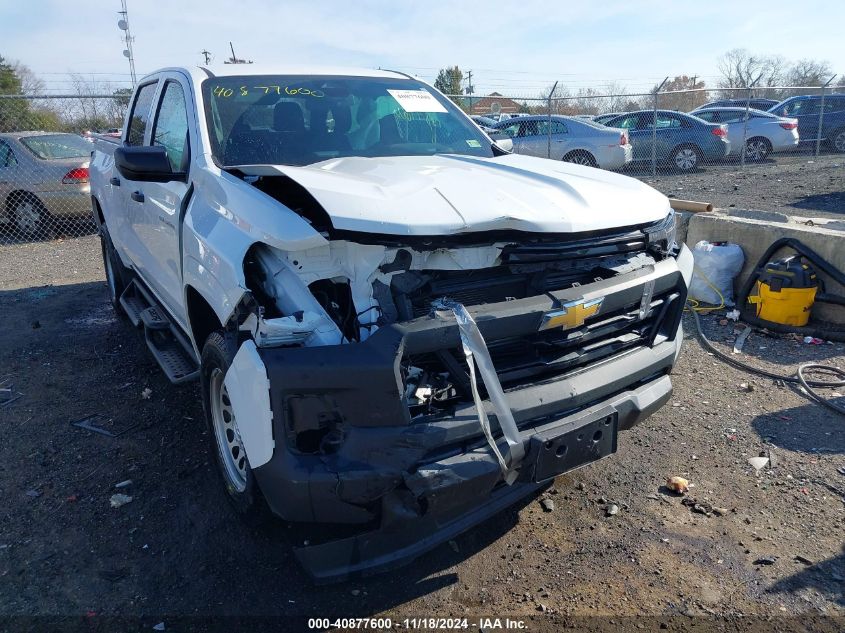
<point x="137" y="196"/>
<point x="115" y="181"/>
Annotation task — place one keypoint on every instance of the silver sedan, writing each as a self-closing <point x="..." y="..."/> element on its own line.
<point x="766" y="132"/>
<point x="569" y="139"/>
<point x="43" y="175"/>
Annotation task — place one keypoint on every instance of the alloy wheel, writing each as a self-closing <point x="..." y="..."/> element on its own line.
<point x="27" y="217"/>
<point x="756" y="150"/>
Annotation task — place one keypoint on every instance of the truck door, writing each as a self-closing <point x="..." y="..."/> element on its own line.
<point x="157" y="220"/>
<point x="121" y="210"/>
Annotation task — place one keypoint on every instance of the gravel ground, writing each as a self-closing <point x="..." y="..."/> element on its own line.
<point x="775" y="547"/>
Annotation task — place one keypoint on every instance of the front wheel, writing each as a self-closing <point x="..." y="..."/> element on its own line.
<point x="222" y="421"/>
<point x="686" y="158"/>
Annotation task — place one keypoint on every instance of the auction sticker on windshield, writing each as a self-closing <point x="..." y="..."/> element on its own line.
<point x="416" y="101"/>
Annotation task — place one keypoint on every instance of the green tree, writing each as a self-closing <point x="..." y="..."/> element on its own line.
<point x="13" y="112"/>
<point x="449" y="80"/>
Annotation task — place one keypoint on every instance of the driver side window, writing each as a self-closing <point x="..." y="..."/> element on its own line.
<point x="171" y="125"/>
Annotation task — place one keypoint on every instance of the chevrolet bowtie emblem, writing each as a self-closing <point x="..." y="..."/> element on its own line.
<point x="571" y="314"/>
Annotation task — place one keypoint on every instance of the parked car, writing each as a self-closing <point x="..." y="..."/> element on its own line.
<point x="572" y="140"/>
<point x="807" y="110"/>
<point x="43" y="175"/>
<point x="321" y="281"/>
<point x="765" y="132"/>
<point x="682" y="140"/>
<point x="756" y="103"/>
<point x="485" y="123"/>
<point x="604" y="118"/>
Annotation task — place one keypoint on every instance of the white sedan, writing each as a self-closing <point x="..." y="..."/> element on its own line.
<point x="766" y="132"/>
<point x="569" y="139"/>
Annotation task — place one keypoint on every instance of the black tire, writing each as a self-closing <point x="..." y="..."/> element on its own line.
<point x="686" y="158"/>
<point x="837" y="140"/>
<point x="117" y="275"/>
<point x="30" y="217"/>
<point x="244" y="495"/>
<point x="757" y="149"/>
<point x="581" y="157"/>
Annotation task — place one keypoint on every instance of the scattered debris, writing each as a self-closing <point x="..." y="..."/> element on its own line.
<point x="547" y="504"/>
<point x="720" y="512"/>
<point x="699" y="507"/>
<point x="113" y="575"/>
<point x="758" y="462"/>
<point x="803" y="559"/>
<point x="766" y="560"/>
<point x="678" y="485"/>
<point x="746" y="387"/>
<point x="812" y="340"/>
<point x="123" y="484"/>
<point x="146" y="393"/>
<point x="740" y="340"/>
<point x="33" y="494"/>
<point x="85" y="423"/>
<point x="611" y="510"/>
<point x="120" y="500"/>
<point x="159" y="627"/>
<point x="581" y="485"/>
<point x="72" y="498"/>
<point x="733" y="315"/>
<point x="355" y="592"/>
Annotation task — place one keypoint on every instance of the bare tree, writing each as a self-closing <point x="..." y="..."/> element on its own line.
<point x="31" y="84"/>
<point x="741" y="69"/>
<point x="682" y="100"/>
<point x="809" y="72"/>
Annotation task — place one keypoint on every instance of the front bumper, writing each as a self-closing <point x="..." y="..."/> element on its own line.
<point x="413" y="483"/>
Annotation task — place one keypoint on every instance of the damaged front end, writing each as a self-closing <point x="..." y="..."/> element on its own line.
<point x="417" y="388"/>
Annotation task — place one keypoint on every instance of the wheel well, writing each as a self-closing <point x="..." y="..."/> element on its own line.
<point x="21" y="194"/>
<point x="202" y="320"/>
<point x="762" y="138"/>
<point x="98" y="212"/>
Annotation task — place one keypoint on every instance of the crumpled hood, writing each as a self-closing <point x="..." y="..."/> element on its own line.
<point x="448" y="194"/>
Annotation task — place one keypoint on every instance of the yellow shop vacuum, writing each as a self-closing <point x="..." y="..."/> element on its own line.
<point x="785" y="291"/>
<point x="780" y="293"/>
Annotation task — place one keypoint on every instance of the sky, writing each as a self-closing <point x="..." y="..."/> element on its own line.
<point x="514" y="47"/>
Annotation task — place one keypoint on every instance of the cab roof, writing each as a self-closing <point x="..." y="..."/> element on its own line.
<point x="231" y="70"/>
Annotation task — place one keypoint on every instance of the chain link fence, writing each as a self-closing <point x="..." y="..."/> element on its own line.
<point x="45" y="149"/>
<point x="729" y="128"/>
<point x="46" y="141"/>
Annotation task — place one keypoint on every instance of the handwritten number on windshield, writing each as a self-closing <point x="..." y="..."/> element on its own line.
<point x="220" y="91"/>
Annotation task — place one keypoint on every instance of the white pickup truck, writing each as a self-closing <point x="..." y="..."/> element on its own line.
<point x="397" y="325"/>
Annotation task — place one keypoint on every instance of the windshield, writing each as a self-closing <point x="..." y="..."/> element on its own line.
<point x="54" y="146"/>
<point x="299" y="120"/>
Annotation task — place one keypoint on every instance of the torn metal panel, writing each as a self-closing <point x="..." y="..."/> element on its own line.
<point x="249" y="390"/>
<point x="476" y="350"/>
<point x="290" y="330"/>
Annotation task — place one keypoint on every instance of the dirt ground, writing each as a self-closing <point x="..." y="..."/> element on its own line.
<point x="176" y="551"/>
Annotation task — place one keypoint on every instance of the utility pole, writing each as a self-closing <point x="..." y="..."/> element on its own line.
<point x="123" y="25"/>
<point x="207" y="55"/>
<point x="470" y="89"/>
<point x="234" y="58"/>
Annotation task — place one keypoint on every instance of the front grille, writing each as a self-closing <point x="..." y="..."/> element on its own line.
<point x="550" y="354"/>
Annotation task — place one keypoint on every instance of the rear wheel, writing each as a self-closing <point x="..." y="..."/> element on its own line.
<point x="221" y="418"/>
<point x="581" y="157"/>
<point x="686" y="157"/>
<point x="757" y="148"/>
<point x="117" y="276"/>
<point x="30" y="217"/>
<point x="837" y="140"/>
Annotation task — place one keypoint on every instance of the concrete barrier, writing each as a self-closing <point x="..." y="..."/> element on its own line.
<point x="755" y="231"/>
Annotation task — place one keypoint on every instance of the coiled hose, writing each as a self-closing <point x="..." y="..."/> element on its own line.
<point x="798" y="377"/>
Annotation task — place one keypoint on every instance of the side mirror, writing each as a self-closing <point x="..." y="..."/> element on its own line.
<point x="503" y="144"/>
<point x="145" y="164"/>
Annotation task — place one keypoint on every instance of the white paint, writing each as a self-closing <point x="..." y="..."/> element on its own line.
<point x="249" y="390"/>
<point x="446" y="194"/>
<point x="416" y="101"/>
